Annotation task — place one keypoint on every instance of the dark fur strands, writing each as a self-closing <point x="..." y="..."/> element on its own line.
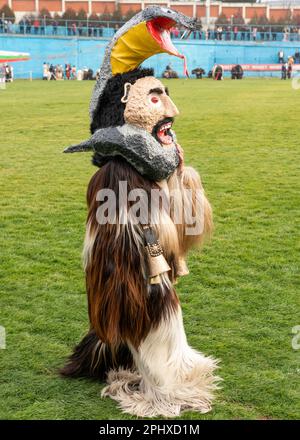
<point x="122" y="307"/>
<point x="91" y="358"/>
<point x="110" y="109"/>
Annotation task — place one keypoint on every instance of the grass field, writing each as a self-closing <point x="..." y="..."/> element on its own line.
<point x="240" y="301"/>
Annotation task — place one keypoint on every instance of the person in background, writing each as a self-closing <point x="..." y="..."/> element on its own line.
<point x="9" y="27"/>
<point x="290" y="67"/>
<point x="68" y="71"/>
<point x="286" y="34"/>
<point x="22" y="26"/>
<point x="36" y="25"/>
<point x="283" y="70"/>
<point x="95" y="29"/>
<point x="280" y="56"/>
<point x="254" y="33"/>
<point x="28" y="25"/>
<point x="52" y="72"/>
<point x="73" y="72"/>
<point x="8" y="73"/>
<point x="43" y="27"/>
<point x="219" y="32"/>
<point x="243" y="33"/>
<point x="235" y="32"/>
<point x="54" y="27"/>
<point x="74" y="28"/>
<point x="297" y="57"/>
<point x="45" y="71"/>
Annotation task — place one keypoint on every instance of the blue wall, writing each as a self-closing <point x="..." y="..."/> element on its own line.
<point x="89" y="52"/>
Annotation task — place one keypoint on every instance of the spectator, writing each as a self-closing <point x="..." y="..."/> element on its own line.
<point x="289" y="70"/>
<point x="54" y="27"/>
<point x="254" y="33"/>
<point x="283" y="70"/>
<point x="219" y="32"/>
<point x="248" y="33"/>
<point x="59" y="75"/>
<point x="28" y="26"/>
<point x="68" y="71"/>
<point x="235" y="32"/>
<point x="36" y="25"/>
<point x="74" y="28"/>
<point x="52" y="72"/>
<point x="22" y="26"/>
<point x="42" y="26"/>
<point x="9" y="27"/>
<point x="290" y="67"/>
<point x="45" y="71"/>
<point x="95" y="29"/>
<point x="280" y="56"/>
<point x="243" y="33"/>
<point x="73" y="72"/>
<point x="8" y="73"/>
<point x="297" y="57"/>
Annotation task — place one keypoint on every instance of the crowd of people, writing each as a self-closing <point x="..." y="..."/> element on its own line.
<point x="68" y="72"/>
<point x="58" y="72"/>
<point x="292" y="59"/>
<point x="287" y="66"/>
<point x="37" y="26"/>
<point x="249" y="33"/>
<point x="85" y="28"/>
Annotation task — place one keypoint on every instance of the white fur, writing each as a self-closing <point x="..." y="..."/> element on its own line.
<point x="172" y="376"/>
<point x="89" y="240"/>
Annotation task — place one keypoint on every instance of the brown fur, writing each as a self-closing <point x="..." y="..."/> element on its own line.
<point x="122" y="305"/>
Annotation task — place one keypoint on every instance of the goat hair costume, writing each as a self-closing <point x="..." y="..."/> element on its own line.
<point x="136" y="341"/>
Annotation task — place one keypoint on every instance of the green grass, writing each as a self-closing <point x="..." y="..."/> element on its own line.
<point x="241" y="299"/>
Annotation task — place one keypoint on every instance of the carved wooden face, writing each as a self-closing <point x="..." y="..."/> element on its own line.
<point x="149" y="106"/>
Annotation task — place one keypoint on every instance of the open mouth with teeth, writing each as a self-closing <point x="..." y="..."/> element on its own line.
<point x="163" y="132"/>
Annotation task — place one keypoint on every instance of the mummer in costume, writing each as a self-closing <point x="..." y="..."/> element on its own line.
<point x="134" y="252"/>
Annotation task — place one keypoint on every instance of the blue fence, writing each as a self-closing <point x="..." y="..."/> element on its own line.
<point x="89" y="52"/>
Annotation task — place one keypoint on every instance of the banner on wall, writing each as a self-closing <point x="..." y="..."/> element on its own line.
<point x="259" y="67"/>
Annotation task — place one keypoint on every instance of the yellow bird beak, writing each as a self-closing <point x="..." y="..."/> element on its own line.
<point x="141" y="42"/>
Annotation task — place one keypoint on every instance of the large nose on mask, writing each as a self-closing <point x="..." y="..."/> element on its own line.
<point x="170" y="108"/>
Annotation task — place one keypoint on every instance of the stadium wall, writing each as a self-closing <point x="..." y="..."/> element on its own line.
<point x="86" y="52"/>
